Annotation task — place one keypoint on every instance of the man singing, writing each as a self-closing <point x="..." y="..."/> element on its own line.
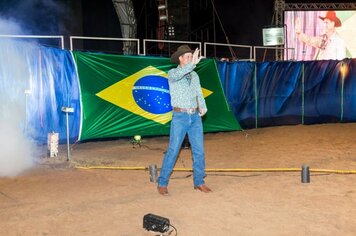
<point x="330" y="46"/>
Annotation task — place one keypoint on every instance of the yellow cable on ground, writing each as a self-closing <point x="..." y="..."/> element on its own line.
<point x="334" y="171"/>
<point x="112" y="167"/>
<point x="223" y="169"/>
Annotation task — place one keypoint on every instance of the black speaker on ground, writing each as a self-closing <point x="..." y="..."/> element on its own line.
<point x="156" y="223"/>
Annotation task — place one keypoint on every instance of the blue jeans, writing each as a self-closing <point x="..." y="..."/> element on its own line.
<point x="183" y="123"/>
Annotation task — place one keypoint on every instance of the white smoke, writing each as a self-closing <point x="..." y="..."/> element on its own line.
<point x="9" y="27"/>
<point x="39" y="17"/>
<point x="15" y="148"/>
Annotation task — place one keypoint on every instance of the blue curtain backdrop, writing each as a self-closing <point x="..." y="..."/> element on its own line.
<point x="39" y="81"/>
<point x="280" y="93"/>
<point x="57" y="84"/>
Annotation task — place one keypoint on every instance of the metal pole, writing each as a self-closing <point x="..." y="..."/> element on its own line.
<point x="62" y="42"/>
<point x="286" y="40"/>
<point x="214" y="28"/>
<point x="67" y="110"/>
<point x="68" y="152"/>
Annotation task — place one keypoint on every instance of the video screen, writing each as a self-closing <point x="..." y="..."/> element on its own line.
<point x="320" y="35"/>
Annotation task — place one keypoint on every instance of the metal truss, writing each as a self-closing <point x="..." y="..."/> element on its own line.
<point x="125" y="12"/>
<point x="279" y="6"/>
<point x="319" y="6"/>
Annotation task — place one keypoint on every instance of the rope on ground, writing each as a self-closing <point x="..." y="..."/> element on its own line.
<point x="113" y="167"/>
<point x="222" y="169"/>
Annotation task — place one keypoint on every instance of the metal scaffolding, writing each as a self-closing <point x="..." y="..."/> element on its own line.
<point x="319" y="6"/>
<point x="125" y="12"/>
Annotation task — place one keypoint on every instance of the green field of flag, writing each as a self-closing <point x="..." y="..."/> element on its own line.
<point x="129" y="95"/>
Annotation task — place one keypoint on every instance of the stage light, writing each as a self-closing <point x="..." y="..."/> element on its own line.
<point x="161" y="7"/>
<point x="162" y="10"/>
<point x="136" y="141"/>
<point x="163" y="17"/>
<point x="171" y="32"/>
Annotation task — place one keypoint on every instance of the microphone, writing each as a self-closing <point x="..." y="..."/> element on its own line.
<point x="323" y="41"/>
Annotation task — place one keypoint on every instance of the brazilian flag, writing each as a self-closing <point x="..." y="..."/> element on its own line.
<point x="129" y="95"/>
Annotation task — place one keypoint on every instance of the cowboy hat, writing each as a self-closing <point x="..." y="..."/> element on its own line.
<point x="180" y="51"/>
<point x="331" y="15"/>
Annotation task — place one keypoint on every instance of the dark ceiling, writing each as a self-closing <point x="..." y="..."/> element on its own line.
<point x="237" y="22"/>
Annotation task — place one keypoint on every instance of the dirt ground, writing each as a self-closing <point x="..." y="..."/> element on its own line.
<point x="55" y="198"/>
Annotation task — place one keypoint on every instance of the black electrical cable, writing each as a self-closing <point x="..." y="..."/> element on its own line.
<point x="233" y="54"/>
<point x="153" y="149"/>
<point x="169" y="233"/>
<point x="172" y="230"/>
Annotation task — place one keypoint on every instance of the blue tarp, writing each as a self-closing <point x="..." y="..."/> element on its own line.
<point x="279" y="93"/>
<point x="44" y="80"/>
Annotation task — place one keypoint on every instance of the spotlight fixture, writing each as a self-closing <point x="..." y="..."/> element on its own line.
<point x="161" y="7"/>
<point x="171" y="33"/>
<point x="162" y="10"/>
<point x="136" y="141"/>
<point x="163" y="17"/>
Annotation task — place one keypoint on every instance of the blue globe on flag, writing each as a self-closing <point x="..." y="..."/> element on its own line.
<point x="151" y="93"/>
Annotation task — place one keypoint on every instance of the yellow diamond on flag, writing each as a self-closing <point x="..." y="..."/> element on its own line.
<point x="144" y="93"/>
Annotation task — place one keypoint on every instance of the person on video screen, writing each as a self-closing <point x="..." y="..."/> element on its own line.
<point x="329" y="45"/>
